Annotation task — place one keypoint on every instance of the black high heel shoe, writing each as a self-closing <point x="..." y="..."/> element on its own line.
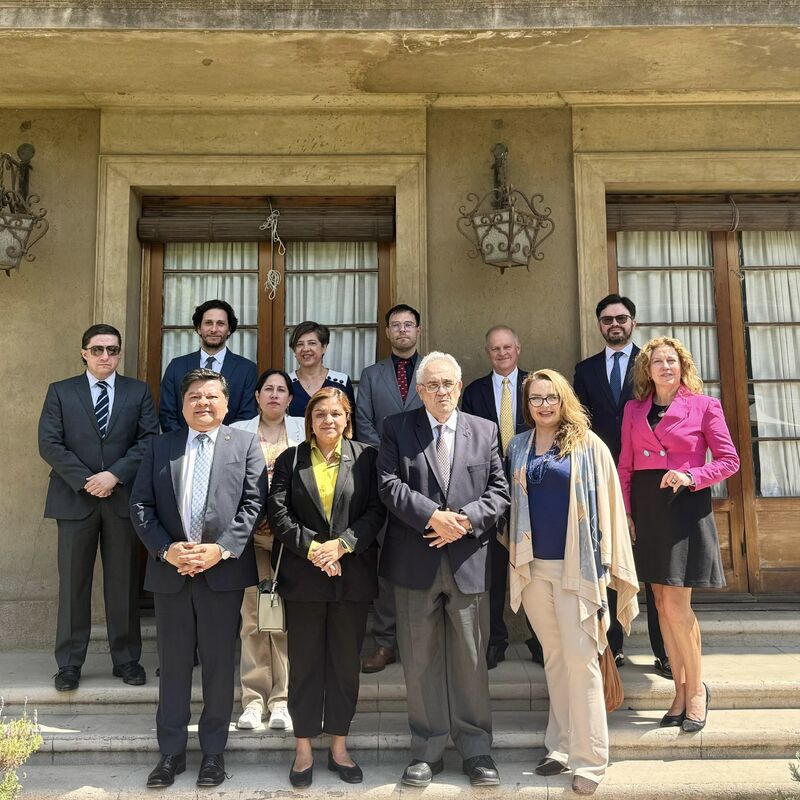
<point x="690" y="725"/>
<point x="347" y="774"/>
<point x="302" y="779"/>
<point x="672" y="720"/>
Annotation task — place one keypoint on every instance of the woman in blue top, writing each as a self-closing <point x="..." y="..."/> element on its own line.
<point x="309" y="342"/>
<point x="568" y="543"/>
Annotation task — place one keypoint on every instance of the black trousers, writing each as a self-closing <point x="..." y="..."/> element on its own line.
<point x="196" y="617"/>
<point x="653" y="628"/>
<point x="324" y="644"/>
<point x="78" y="542"/>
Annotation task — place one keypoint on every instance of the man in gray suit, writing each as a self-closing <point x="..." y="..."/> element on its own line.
<point x="93" y="431"/>
<point x="387" y="388"/>
<point x="196" y="500"/>
<point x="442" y="481"/>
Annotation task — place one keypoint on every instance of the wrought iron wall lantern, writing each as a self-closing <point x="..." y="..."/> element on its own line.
<point x="20" y="225"/>
<point x="504" y="227"/>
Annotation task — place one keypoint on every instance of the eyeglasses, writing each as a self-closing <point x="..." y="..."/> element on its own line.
<point x="620" y="319"/>
<point x="537" y="400"/>
<point x="402" y="326"/>
<point x="433" y="388"/>
<point x="99" y="349"/>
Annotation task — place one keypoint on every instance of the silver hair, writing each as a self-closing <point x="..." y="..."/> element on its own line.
<point x="435" y="355"/>
<point x="496" y="328"/>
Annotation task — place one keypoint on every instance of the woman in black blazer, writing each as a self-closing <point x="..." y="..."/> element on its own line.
<point x="324" y="508"/>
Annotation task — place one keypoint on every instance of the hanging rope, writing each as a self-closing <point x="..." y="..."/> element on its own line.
<point x="273" y="276"/>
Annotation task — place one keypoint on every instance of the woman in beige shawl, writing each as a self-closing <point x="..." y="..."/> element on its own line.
<point x="568" y="543"/>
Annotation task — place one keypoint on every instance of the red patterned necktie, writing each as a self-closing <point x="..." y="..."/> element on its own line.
<point x="402" y="377"/>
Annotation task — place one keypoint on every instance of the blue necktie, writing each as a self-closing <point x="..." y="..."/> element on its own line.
<point x="200" y="476"/>
<point x="616" y="378"/>
<point x="210" y="363"/>
<point x="101" y="408"/>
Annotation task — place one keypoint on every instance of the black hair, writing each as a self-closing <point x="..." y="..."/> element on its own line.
<point x="197" y="317"/>
<point x="402" y="307"/>
<point x="203" y="375"/>
<point x="267" y="374"/>
<point x="100" y="329"/>
<point x="322" y="332"/>
<point x="611" y="299"/>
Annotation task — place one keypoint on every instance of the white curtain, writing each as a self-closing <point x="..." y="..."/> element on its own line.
<point x="335" y="283"/>
<point x="771" y="290"/>
<point x="186" y="286"/>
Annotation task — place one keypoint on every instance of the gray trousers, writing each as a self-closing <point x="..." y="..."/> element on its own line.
<point x="443" y="634"/>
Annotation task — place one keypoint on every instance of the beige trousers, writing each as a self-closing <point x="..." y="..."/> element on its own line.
<point x="264" y="668"/>
<point x="577" y="729"/>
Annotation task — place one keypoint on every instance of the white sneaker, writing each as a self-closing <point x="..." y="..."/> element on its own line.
<point x="280" y="720"/>
<point x="250" y="718"/>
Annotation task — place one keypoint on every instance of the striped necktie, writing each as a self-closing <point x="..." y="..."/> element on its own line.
<point x="200" y="476"/>
<point x="101" y="408"/>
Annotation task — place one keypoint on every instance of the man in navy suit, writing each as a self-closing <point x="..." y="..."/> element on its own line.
<point x="214" y="322"/>
<point x="484" y="397"/>
<point x="93" y="432"/>
<point x="197" y="497"/>
<point x="604" y="383"/>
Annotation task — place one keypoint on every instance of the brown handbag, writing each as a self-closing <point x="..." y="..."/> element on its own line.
<point x="613" y="690"/>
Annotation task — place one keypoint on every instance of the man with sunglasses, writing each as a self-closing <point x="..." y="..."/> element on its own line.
<point x="93" y="431"/>
<point x="604" y="383"/>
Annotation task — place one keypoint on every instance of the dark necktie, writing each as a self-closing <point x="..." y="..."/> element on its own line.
<point x="402" y="377"/>
<point x="616" y="378"/>
<point x="101" y="408"/>
<point x="443" y="458"/>
<point x="210" y="362"/>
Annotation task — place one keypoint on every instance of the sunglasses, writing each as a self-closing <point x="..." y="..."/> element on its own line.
<point x="99" y="349"/>
<point x="620" y="319"/>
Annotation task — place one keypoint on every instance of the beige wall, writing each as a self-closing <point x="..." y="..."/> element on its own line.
<point x="465" y="297"/>
<point x="45" y="307"/>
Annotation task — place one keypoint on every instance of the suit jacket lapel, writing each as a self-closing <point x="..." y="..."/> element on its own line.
<point x="85" y="396"/>
<point x="627" y="381"/>
<point x="678" y="411"/>
<point x="425" y="437"/>
<point x="390" y="379"/>
<point x="601" y="377"/>
<point x="228" y="365"/>
<point x="120" y="398"/>
<point x="343" y="481"/>
<point x="177" y="452"/>
<point x="487" y="390"/>
<point x="305" y="471"/>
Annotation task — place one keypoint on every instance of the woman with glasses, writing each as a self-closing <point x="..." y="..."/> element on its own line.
<point x="309" y="341"/>
<point x="264" y="665"/>
<point x="667" y="430"/>
<point x="325" y="511"/>
<point x="569" y="544"/>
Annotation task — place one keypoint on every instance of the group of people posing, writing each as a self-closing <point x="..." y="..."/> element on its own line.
<point x="560" y="496"/>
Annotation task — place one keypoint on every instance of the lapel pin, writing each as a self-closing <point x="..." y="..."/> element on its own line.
<point x="227" y="437"/>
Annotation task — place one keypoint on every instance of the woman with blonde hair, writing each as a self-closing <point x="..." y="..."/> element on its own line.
<point x="667" y="429"/>
<point x="569" y="544"/>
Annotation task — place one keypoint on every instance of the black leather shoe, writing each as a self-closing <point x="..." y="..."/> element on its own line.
<point x="166" y="770"/>
<point x="67" y="679"/>
<point x="494" y="655"/>
<point x="549" y="766"/>
<point x="481" y="771"/>
<point x="131" y="673"/>
<point x="672" y="720"/>
<point x="420" y="773"/>
<point x="302" y="779"/>
<point x="663" y="668"/>
<point x="347" y="774"/>
<point x="212" y="770"/>
<point x="690" y="725"/>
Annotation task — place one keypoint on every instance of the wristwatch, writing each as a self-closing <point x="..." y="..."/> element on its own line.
<point x="162" y="553"/>
<point x="224" y="554"/>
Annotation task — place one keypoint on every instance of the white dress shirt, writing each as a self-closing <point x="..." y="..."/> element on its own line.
<point x="449" y="431"/>
<point x="623" y="361"/>
<point x="95" y="389"/>
<point x="497" y="384"/>
<point x="189" y="456"/>
<point x="219" y="359"/>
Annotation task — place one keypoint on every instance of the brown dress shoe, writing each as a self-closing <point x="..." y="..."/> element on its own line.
<point x="378" y="659"/>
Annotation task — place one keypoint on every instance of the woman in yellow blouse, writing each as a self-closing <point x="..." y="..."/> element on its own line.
<point x="324" y="509"/>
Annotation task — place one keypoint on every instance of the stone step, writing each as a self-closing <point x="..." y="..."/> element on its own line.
<point x="751" y="779"/>
<point x="730" y="733"/>
<point x="743" y="677"/>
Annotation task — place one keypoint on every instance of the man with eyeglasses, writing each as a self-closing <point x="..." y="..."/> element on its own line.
<point x="498" y="398"/>
<point x="604" y="383"/>
<point x="387" y="388"/>
<point x="93" y="431"/>
<point x="441" y="478"/>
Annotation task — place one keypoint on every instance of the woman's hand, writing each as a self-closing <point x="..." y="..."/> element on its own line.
<point x="673" y="479"/>
<point x="327" y="554"/>
<point x="631" y="528"/>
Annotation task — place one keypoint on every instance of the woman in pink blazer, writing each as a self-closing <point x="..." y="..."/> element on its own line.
<point x="666" y="483"/>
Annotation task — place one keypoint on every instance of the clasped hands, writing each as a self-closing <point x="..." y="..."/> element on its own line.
<point x="446" y="526"/>
<point x="101" y="484"/>
<point x="191" y="558"/>
<point x="326" y="556"/>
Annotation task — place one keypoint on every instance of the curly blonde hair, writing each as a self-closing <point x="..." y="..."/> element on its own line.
<point x="574" y="423"/>
<point x="642" y="382"/>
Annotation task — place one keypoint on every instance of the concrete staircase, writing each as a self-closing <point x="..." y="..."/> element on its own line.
<point x="100" y="741"/>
